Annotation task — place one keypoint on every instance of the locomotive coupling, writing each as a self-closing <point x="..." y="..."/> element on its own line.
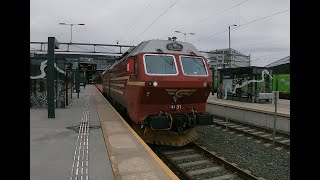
<point x="160" y="122"/>
<point x="178" y="122"/>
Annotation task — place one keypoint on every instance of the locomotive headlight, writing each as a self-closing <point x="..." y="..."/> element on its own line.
<point x="155" y="83"/>
<point x="205" y="84"/>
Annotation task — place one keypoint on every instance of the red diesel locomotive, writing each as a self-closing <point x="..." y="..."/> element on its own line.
<point x="163" y="86"/>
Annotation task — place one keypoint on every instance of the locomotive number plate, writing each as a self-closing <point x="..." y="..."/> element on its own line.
<point x="176" y="106"/>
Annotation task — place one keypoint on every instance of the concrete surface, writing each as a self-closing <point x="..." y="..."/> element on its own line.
<point x="53" y="145"/>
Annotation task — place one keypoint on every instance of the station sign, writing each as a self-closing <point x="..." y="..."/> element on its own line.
<point x="88" y="66"/>
<point x="85" y="66"/>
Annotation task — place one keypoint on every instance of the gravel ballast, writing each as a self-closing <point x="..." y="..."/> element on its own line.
<point x="246" y="153"/>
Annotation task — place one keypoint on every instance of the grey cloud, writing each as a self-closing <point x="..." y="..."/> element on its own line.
<point x="110" y="20"/>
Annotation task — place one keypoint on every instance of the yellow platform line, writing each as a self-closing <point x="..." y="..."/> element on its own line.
<point x="148" y="149"/>
<point x="110" y="153"/>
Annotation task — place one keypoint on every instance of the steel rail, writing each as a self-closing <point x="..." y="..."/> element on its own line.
<point x="277" y="143"/>
<point x="286" y="135"/>
<point x="178" y="171"/>
<point x="229" y="166"/>
<point x="182" y="174"/>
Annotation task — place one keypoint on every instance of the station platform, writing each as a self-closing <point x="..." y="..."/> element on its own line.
<point x="283" y="106"/>
<point x="261" y="114"/>
<point x="89" y="140"/>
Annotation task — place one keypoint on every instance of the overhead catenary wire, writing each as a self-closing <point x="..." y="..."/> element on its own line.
<point x="139" y="17"/>
<point x="256" y="43"/>
<point x="192" y="24"/>
<point x="225" y="10"/>
<point x="241" y="25"/>
<point x="263" y="18"/>
<point x="270" y="56"/>
<point x="155" y="21"/>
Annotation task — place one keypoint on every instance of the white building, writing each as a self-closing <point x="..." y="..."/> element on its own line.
<point x="220" y="57"/>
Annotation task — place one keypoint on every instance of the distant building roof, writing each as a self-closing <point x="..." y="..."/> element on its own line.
<point x="285" y="60"/>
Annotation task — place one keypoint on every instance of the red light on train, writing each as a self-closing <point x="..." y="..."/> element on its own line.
<point x="130" y="65"/>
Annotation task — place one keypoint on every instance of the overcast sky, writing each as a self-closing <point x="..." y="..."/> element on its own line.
<point x="263" y="29"/>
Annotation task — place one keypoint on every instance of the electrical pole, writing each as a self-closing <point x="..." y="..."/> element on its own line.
<point x="230" y="56"/>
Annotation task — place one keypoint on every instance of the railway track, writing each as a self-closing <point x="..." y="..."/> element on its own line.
<point x="282" y="140"/>
<point x="195" y="162"/>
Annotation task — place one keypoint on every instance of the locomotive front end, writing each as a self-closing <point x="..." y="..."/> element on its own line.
<point x="173" y="98"/>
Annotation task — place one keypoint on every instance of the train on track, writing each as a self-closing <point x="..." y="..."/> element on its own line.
<point x="162" y="87"/>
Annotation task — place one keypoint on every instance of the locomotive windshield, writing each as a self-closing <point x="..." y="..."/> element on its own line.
<point x="193" y="66"/>
<point x="160" y="64"/>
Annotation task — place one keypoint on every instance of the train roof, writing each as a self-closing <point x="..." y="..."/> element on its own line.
<point x="159" y="46"/>
<point x="165" y="46"/>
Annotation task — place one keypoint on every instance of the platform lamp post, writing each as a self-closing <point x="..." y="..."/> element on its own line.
<point x="71" y="25"/>
<point x="230" y="57"/>
<point x="185" y="34"/>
